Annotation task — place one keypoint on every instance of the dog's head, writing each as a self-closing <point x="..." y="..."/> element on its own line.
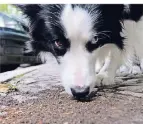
<point x="74" y="34"/>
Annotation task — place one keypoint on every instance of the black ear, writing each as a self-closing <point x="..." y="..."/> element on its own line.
<point x="133" y="11"/>
<point x="36" y="25"/>
<point x="30" y="10"/>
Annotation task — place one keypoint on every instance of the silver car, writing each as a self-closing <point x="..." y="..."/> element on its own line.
<point x="13" y="36"/>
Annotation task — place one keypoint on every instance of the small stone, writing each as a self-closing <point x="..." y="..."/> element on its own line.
<point x="3" y="107"/>
<point x="3" y="94"/>
<point x="65" y="123"/>
<point x="3" y="114"/>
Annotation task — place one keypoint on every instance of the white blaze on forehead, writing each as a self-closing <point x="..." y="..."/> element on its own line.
<point x="77" y="64"/>
<point x="77" y="23"/>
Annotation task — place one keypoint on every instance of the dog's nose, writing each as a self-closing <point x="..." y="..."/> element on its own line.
<point x="80" y="92"/>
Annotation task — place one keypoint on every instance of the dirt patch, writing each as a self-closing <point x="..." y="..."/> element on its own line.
<point x="56" y="107"/>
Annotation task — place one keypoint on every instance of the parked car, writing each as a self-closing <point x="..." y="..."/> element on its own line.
<point x="13" y="36"/>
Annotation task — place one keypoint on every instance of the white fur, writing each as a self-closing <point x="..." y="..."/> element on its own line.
<point x="133" y="45"/>
<point x="78" y="65"/>
<point x="112" y="63"/>
<point x="77" y="23"/>
<point x="133" y="31"/>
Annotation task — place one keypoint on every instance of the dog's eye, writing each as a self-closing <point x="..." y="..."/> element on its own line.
<point x="58" y="44"/>
<point x="94" y="40"/>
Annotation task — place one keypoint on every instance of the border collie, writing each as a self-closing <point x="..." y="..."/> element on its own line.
<point x="89" y="41"/>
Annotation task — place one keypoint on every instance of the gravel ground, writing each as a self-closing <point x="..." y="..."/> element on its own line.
<point x="53" y="106"/>
<point x="40" y="99"/>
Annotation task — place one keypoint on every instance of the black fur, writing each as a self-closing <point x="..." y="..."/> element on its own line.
<point x="45" y="27"/>
<point x="110" y="21"/>
<point x="135" y="11"/>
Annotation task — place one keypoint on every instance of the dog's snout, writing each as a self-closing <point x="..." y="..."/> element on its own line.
<point x="80" y="92"/>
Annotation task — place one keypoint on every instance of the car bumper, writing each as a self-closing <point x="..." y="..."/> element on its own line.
<point x="15" y="59"/>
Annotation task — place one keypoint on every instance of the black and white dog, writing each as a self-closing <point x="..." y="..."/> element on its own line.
<point x="90" y="42"/>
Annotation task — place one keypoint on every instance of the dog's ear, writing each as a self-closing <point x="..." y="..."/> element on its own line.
<point x="30" y="10"/>
<point x="133" y="11"/>
<point x="36" y="26"/>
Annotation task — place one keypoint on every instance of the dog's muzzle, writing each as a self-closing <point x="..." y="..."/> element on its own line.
<point x="80" y="92"/>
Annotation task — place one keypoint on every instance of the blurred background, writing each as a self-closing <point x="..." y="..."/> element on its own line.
<point x="10" y="9"/>
<point x="13" y="39"/>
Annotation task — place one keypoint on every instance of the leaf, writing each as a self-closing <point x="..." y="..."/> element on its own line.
<point x="5" y="88"/>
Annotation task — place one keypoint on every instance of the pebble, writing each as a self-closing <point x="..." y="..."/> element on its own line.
<point x="3" y="94"/>
<point x="3" y="114"/>
<point x="65" y="123"/>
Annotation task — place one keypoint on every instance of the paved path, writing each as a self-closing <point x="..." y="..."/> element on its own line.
<point x="40" y="99"/>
